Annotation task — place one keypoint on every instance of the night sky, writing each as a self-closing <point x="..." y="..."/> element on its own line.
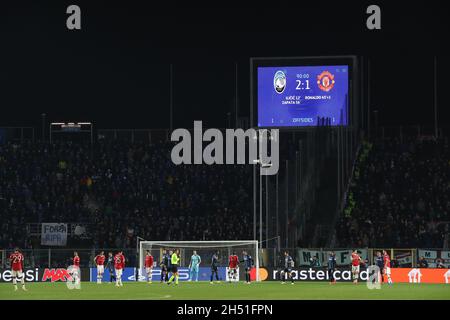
<point x="115" y="71"/>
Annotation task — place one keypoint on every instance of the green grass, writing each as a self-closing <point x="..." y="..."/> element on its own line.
<point x="237" y="291"/>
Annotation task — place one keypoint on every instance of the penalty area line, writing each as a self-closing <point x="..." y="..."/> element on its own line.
<point x="168" y="296"/>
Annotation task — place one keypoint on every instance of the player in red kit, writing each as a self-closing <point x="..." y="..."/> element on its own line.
<point x="119" y="265"/>
<point x="356" y="260"/>
<point x="149" y="266"/>
<point x="76" y="264"/>
<point x="16" y="258"/>
<point x="76" y="259"/>
<point x="233" y="262"/>
<point x="100" y="263"/>
<point x="387" y="266"/>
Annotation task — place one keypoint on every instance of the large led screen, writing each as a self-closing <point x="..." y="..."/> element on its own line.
<point x="296" y="96"/>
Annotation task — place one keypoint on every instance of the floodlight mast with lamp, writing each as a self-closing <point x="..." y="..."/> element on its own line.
<point x="264" y="166"/>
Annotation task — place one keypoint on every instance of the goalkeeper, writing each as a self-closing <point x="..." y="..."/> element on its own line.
<point x="194" y="266"/>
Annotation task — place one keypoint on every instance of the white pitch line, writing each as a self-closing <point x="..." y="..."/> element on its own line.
<point x="151" y="298"/>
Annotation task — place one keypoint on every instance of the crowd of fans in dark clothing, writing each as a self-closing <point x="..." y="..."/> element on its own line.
<point x="124" y="190"/>
<point x="399" y="195"/>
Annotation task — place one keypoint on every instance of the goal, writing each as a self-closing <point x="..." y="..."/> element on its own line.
<point x="205" y="249"/>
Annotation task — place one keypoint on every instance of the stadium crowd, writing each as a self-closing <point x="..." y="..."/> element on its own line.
<point x="399" y="196"/>
<point x="124" y="189"/>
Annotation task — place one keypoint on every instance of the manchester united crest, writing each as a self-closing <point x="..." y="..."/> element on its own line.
<point x="325" y="81"/>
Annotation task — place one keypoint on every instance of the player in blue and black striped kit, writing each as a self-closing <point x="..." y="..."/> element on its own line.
<point x="331" y="267"/>
<point x="288" y="264"/>
<point x="248" y="264"/>
<point x="165" y="261"/>
<point x="215" y="267"/>
<point x="110" y="266"/>
<point x="380" y="264"/>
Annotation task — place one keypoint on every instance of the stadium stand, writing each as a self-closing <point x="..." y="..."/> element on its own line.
<point x="125" y="189"/>
<point x="399" y="195"/>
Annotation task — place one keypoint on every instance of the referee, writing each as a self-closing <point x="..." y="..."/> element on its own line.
<point x="174" y="261"/>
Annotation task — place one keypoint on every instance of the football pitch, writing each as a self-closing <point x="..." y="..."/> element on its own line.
<point x="229" y="291"/>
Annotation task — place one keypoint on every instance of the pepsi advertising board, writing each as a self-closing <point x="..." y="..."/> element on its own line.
<point x="297" y="96"/>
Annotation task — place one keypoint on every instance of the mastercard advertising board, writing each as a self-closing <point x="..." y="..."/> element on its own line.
<point x="420" y="275"/>
<point x="407" y="275"/>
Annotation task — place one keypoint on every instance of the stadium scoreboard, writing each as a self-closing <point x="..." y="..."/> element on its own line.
<point x="71" y="128"/>
<point x="300" y="92"/>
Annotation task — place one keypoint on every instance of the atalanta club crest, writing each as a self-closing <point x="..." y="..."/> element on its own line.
<point x="279" y="81"/>
<point x="325" y="81"/>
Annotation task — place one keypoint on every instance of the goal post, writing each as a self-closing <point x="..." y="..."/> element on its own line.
<point x="205" y="249"/>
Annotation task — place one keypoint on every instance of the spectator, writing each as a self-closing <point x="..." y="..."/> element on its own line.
<point x="123" y="189"/>
<point x="440" y="264"/>
<point x="422" y="263"/>
<point x="314" y="261"/>
<point x="399" y="195"/>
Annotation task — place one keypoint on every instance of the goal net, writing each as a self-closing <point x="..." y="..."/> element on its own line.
<point x="205" y="249"/>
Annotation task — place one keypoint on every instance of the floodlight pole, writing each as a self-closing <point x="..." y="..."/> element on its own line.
<point x="261" y="165"/>
<point x="375" y="112"/>
<point x="171" y="98"/>
<point x="435" y="100"/>
<point x="43" y="126"/>
<point x="287" y="204"/>
<point x="267" y="209"/>
<point x="236" y="92"/>
<point x="260" y="209"/>
<point x="277" y="211"/>
<point x="254" y="202"/>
